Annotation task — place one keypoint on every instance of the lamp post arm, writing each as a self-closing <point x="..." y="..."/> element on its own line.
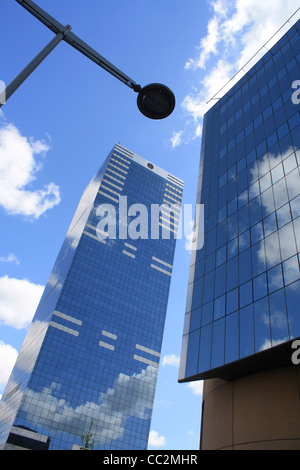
<point x="56" y="27"/>
<point x="19" y="79"/>
<point x="92" y="54"/>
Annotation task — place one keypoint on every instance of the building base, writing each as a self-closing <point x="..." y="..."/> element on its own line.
<point x="256" y="412"/>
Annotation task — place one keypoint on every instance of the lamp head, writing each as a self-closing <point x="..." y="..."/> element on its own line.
<point x="156" y="101"/>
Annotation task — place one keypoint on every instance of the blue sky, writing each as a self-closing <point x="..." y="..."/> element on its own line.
<point x="60" y="125"/>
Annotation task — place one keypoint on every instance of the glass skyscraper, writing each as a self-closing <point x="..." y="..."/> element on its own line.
<point x="90" y="359"/>
<point x="242" y="310"/>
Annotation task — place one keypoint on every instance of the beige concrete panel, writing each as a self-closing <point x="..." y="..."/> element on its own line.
<point x="266" y="406"/>
<point x="217" y="415"/>
<point x="258" y="411"/>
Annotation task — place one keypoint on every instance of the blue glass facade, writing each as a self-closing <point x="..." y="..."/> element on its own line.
<point x="91" y="355"/>
<point x="244" y="290"/>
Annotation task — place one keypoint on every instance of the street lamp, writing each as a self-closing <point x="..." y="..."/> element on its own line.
<point x="155" y="101"/>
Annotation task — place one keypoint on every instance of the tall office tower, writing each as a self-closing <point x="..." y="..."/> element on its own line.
<point x="242" y="313"/>
<point x="90" y="359"/>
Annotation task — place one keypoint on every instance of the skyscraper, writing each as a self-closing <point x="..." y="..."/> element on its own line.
<point x="242" y="313"/>
<point x="90" y="359"/>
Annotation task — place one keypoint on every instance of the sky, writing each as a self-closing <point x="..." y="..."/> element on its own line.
<point x="59" y="126"/>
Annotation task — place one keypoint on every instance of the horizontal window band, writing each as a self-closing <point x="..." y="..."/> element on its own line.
<point x="106" y="345"/>
<point x="147" y="350"/>
<point x="173" y="199"/>
<point x="161" y="270"/>
<point x="175" y="189"/>
<point x="174" y="194"/>
<point x="119" y="163"/>
<point x="145" y="361"/>
<point x="168" y="228"/>
<point x="108" y="196"/>
<point x="169" y="214"/>
<point x="128" y="254"/>
<point x="106" y="175"/>
<point x="94" y="237"/>
<point x="67" y="317"/>
<point x="110" y="190"/>
<point x="123" y="151"/>
<point x="91" y="226"/>
<point x="122" y="158"/>
<point x="64" y="328"/>
<point x="173" y="207"/>
<point x="168" y="221"/>
<point x="115" y="173"/>
<point x="118" y="168"/>
<point x="162" y="262"/>
<point x="175" y="181"/>
<point x="97" y="230"/>
<point x="130" y="246"/>
<point x="112" y="184"/>
<point x="109" y="335"/>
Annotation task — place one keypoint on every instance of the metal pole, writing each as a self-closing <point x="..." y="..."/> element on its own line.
<point x="14" y="85"/>
<point x="74" y="41"/>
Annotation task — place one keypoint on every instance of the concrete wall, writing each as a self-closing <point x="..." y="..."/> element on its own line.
<point x="258" y="411"/>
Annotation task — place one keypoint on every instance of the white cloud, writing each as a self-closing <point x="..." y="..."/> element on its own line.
<point x="18" y="301"/>
<point x="11" y="258"/>
<point x="171" y="360"/>
<point x="220" y="7"/>
<point x="268" y="343"/>
<point x="155" y="440"/>
<point x="208" y="45"/>
<point x="176" y="139"/>
<point x="18" y="168"/>
<point x="8" y="357"/>
<point x="236" y="31"/>
<point x="196" y="387"/>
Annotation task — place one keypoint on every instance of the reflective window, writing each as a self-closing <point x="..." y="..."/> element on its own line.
<point x="205" y="348"/>
<point x="292" y="302"/>
<point x="270" y="224"/>
<point x="295" y="207"/>
<point x="217" y="357"/>
<point x="207" y="313"/>
<point x="193" y="351"/>
<point x="256" y="233"/>
<point x="251" y="183"/>
<point x="272" y="250"/>
<point x="221" y="256"/>
<point x="195" y="321"/>
<point x="245" y="294"/>
<point x="245" y="266"/>
<point x="246" y="331"/>
<point x="260" y="288"/>
<point x="283" y="215"/>
<point x="262" y="327"/>
<point x="197" y="293"/>
<point x="232" y="301"/>
<point x="278" y="317"/>
<point x="291" y="270"/>
<point x="232" y="338"/>
<point x="275" y="280"/>
<point x="287" y="241"/>
<point x="219" y="307"/>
